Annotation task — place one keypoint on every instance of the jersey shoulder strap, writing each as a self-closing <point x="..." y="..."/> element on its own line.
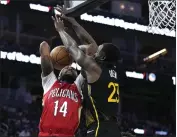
<point x="83" y="73"/>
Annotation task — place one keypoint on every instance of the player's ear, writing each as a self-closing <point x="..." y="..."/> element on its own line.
<point x="59" y="76"/>
<point x="102" y="56"/>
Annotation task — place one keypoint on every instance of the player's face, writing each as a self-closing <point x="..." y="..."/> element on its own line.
<point x="69" y="71"/>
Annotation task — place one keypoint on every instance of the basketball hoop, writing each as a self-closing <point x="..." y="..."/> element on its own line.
<point x="162" y="16"/>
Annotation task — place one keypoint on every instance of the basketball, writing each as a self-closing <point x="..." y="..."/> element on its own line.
<point x="60" y="57"/>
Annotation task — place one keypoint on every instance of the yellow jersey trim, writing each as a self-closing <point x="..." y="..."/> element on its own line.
<point x="96" y="113"/>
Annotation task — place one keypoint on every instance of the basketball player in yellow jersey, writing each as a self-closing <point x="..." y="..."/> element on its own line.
<point x="102" y="79"/>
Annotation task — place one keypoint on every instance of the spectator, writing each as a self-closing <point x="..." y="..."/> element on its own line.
<point x="28" y="98"/>
<point x="25" y="133"/>
<point x="3" y="115"/>
<point x="21" y="91"/>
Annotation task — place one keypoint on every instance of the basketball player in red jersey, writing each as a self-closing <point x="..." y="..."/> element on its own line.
<point x="102" y="79"/>
<point x="61" y="99"/>
<point x="89" y="47"/>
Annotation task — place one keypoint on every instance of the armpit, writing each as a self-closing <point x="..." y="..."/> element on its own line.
<point x="79" y="82"/>
<point x="91" y="78"/>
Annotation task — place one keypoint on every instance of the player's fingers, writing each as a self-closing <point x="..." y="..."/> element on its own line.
<point x="56" y="18"/>
<point x="63" y="17"/>
<point x="53" y="18"/>
<point x="59" y="9"/>
<point x="61" y="20"/>
<point x="59" y="6"/>
<point x="59" y="14"/>
<point x="62" y="8"/>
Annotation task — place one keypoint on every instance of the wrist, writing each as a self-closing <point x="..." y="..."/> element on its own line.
<point x="75" y="24"/>
<point x="82" y="47"/>
<point x="60" y="29"/>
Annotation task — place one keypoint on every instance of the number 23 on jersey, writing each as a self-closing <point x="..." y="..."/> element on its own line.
<point x="114" y="96"/>
<point x="61" y="109"/>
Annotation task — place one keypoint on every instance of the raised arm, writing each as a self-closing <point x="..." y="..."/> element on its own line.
<point x="46" y="63"/>
<point x="84" y="36"/>
<point x="89" y="45"/>
<point x="86" y="62"/>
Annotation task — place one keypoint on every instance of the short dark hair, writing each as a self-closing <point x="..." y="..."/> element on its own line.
<point x="112" y="52"/>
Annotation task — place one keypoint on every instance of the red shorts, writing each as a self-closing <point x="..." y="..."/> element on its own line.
<point x="42" y="134"/>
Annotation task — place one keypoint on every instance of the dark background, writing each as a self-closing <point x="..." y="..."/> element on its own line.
<point x="154" y="101"/>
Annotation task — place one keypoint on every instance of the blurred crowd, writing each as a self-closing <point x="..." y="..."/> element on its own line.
<point x="19" y="122"/>
<point x="16" y="122"/>
<point x="9" y="45"/>
<point x="19" y="110"/>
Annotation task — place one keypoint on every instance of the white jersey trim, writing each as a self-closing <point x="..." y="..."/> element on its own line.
<point x="48" y="81"/>
<point x="79" y="81"/>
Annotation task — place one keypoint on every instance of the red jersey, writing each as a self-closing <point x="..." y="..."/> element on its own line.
<point x="61" y="107"/>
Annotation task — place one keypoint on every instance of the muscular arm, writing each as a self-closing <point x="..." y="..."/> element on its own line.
<point x="46" y="63"/>
<point x="88" y="43"/>
<point x="93" y="71"/>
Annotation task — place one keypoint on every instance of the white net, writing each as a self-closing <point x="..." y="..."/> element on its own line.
<point x="162" y="16"/>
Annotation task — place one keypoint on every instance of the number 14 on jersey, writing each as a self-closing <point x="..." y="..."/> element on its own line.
<point x="62" y="109"/>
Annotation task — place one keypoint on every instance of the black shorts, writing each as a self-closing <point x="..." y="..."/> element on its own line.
<point x="106" y="129"/>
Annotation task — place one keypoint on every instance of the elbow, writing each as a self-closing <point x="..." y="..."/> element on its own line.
<point x="71" y="46"/>
<point x="94" y="47"/>
<point x="44" y="49"/>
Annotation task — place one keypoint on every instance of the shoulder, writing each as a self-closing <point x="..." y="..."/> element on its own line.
<point x="48" y="81"/>
<point x="94" y="74"/>
<point x="79" y="81"/>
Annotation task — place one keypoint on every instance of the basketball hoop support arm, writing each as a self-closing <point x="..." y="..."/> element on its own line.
<point x="84" y="7"/>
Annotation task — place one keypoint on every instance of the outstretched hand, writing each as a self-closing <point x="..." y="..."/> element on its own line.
<point x="62" y="11"/>
<point x="59" y="25"/>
